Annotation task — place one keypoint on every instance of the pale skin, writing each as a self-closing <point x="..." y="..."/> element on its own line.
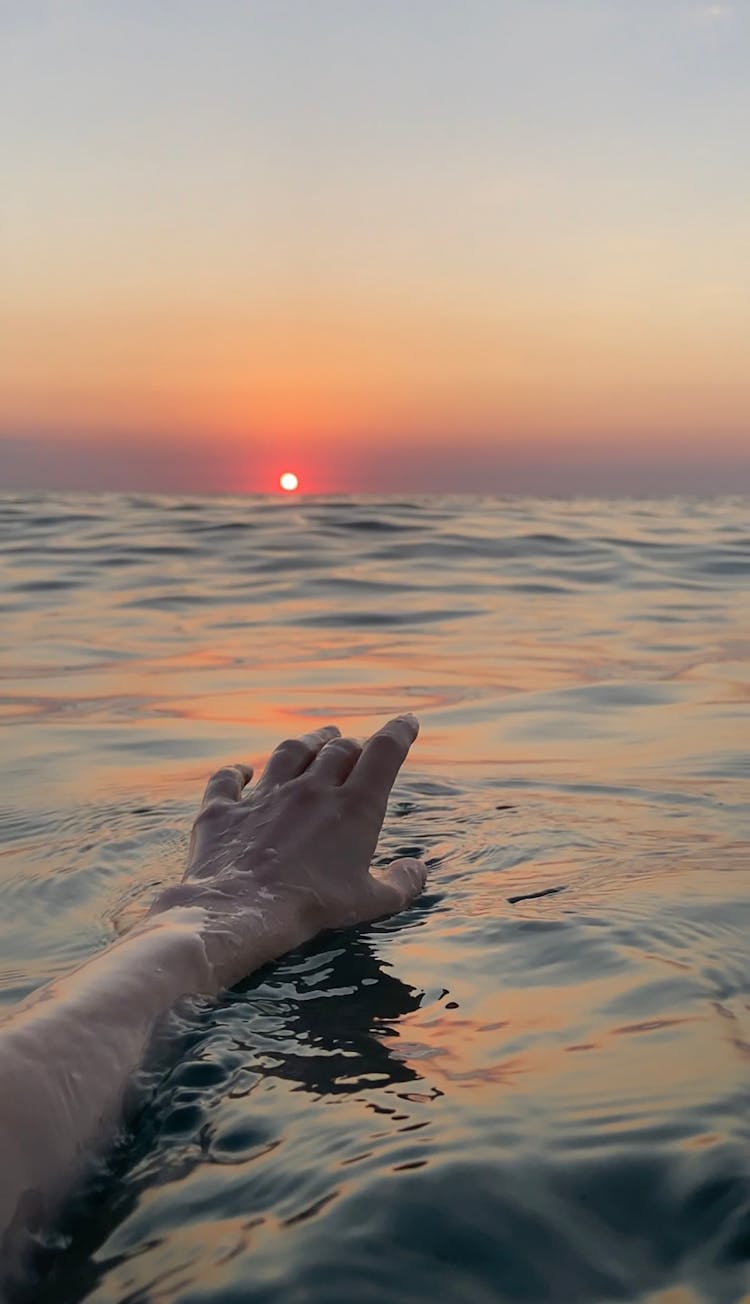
<point x="270" y="865"/>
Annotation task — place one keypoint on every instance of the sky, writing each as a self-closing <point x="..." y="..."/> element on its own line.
<point x="497" y="245"/>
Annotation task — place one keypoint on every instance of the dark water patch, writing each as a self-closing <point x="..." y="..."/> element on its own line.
<point x="372" y="619"/>
<point x="174" y="602"/>
<point x="533" y="896"/>
<point x="536" y="587"/>
<point x="371" y="525"/>
<point x="42" y="586"/>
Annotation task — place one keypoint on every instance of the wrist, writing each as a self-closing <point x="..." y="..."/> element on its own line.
<point x="170" y="946"/>
<point x="237" y="936"/>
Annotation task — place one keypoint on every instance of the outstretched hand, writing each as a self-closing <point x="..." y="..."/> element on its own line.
<point x="276" y="862"/>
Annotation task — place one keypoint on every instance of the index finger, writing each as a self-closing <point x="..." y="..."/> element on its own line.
<point x="383" y="755"/>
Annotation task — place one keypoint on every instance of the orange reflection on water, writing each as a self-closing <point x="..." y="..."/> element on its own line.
<point x="551" y="1042"/>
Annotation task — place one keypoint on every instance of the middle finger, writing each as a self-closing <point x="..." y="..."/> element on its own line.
<point x="292" y="757"/>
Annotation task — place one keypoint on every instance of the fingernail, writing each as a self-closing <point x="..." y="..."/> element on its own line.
<point x="409" y="718"/>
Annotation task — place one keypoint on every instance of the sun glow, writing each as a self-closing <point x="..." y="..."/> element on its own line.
<point x="289" y="481"/>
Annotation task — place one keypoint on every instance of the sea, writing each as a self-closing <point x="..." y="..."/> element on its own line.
<point x="534" y="1084"/>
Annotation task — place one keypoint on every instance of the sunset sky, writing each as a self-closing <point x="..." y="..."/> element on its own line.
<point x="389" y="244"/>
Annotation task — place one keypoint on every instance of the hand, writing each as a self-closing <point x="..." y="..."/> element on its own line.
<point x="276" y="863"/>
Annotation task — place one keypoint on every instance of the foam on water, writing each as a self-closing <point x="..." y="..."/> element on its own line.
<point x="534" y="1084"/>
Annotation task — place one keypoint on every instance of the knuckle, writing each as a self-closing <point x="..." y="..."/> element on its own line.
<point x="386" y="746"/>
<point x="226" y="772"/>
<point x="292" y="748"/>
<point x="349" y="744"/>
<point x="387" y="738"/>
<point x="211" y="810"/>
<point x="344" y="746"/>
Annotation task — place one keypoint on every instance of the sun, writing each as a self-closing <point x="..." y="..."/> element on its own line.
<point x="289" y="481"/>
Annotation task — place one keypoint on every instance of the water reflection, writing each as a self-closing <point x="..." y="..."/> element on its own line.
<point x="324" y="1020"/>
<point x="331" y="1018"/>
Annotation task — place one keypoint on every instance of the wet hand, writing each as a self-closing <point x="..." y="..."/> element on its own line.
<point x="275" y="862"/>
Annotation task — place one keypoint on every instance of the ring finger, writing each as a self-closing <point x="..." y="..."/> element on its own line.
<point x="336" y="760"/>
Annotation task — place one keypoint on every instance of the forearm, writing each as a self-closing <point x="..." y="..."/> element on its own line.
<point x="266" y="872"/>
<point x="67" y="1054"/>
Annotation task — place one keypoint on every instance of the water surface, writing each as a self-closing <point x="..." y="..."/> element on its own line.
<point x="532" y="1086"/>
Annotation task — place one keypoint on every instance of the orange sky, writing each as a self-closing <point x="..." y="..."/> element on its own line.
<point x="302" y="235"/>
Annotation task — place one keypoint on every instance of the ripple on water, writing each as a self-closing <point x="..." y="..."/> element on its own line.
<point x="533" y="1084"/>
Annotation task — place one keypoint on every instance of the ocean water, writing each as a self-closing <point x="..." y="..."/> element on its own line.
<point x="533" y="1085"/>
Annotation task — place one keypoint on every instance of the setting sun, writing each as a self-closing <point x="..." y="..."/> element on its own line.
<point x="289" y="481"/>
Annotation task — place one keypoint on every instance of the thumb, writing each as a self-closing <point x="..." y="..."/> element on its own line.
<point x="400" y="882"/>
